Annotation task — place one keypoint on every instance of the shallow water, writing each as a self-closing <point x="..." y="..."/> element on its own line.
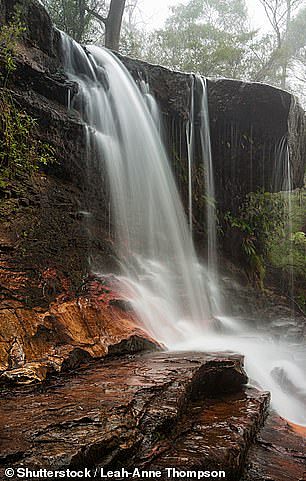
<point x="272" y="365"/>
<point x="177" y="299"/>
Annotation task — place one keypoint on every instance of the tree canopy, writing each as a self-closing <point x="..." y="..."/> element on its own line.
<point x="87" y="20"/>
<point x="211" y="37"/>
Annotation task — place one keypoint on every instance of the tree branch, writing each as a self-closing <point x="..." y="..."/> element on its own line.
<point x="97" y="16"/>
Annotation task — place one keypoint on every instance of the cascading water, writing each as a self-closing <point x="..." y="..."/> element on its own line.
<point x="190" y="149"/>
<point x="160" y="273"/>
<point x="270" y="363"/>
<point x="284" y="178"/>
<point x="211" y="217"/>
<point x="151" y="104"/>
<point x="209" y="180"/>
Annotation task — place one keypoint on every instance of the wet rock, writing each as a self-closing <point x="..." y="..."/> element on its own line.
<point x="16" y="355"/>
<point x="115" y="412"/>
<point x="29" y="373"/>
<point x="40" y="31"/>
<point x="132" y="345"/>
<point x="243" y="130"/>
<point x="278" y="454"/>
<point x="214" y="435"/>
<point x="65" y="336"/>
<point x="184" y="411"/>
<point x="122" y="304"/>
<point x="75" y="358"/>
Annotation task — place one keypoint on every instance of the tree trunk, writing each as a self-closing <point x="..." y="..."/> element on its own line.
<point x="81" y="26"/>
<point x="113" y="24"/>
<point x="285" y="64"/>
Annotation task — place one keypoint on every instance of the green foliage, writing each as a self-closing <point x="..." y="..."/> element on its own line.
<point x="261" y="216"/>
<point x="88" y="20"/>
<point x="288" y="249"/>
<point x="9" y="36"/>
<point x="210" y="37"/>
<point x="20" y="151"/>
<point x="72" y="17"/>
<point x="287" y="252"/>
<point x="132" y="42"/>
<point x="271" y="227"/>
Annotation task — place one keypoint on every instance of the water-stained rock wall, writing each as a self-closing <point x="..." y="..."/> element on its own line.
<point x="44" y="237"/>
<point x="250" y="126"/>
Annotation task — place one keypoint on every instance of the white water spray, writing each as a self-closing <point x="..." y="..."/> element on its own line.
<point x="270" y="363"/>
<point x="190" y="150"/>
<point x="161" y="275"/>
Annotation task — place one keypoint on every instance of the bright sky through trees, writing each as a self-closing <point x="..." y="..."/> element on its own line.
<point x="253" y="40"/>
<point x="155" y="12"/>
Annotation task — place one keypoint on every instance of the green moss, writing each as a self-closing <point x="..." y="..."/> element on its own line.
<point x="9" y="35"/>
<point x="21" y="152"/>
<point x="260" y="217"/>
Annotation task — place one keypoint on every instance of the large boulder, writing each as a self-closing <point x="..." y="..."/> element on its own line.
<point x="39" y="29"/>
<point x="37" y="342"/>
<point x="160" y="412"/>
<point x="251" y="124"/>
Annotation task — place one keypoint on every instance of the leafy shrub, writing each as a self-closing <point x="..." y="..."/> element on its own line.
<point x="287" y="252"/>
<point x="9" y="36"/>
<point x="270" y="227"/>
<point x="20" y="150"/>
<point x="261" y="216"/>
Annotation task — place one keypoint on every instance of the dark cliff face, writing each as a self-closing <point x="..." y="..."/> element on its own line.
<point x="249" y="124"/>
<point x="40" y="31"/>
<point x="42" y="215"/>
<point x="248" y="121"/>
<point x="44" y="234"/>
<point x="249" y="130"/>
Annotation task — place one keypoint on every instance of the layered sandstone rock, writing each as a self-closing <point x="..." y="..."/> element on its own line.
<point x="117" y="411"/>
<point x="44" y="232"/>
<point x="35" y="342"/>
<point x="184" y="411"/>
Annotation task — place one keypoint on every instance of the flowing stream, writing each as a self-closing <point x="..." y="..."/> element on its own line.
<point x="160" y="271"/>
<point x="175" y="296"/>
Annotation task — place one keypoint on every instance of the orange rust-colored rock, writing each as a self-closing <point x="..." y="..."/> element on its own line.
<point x="35" y="342"/>
<point x="119" y="411"/>
<point x="278" y="453"/>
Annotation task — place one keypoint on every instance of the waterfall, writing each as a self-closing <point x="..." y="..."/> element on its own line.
<point x="211" y="216"/>
<point x="159" y="270"/>
<point x="151" y="104"/>
<point x="269" y="363"/>
<point x="190" y="149"/>
<point x="282" y="181"/>
<point x="160" y="273"/>
<point x="287" y="188"/>
<point x="290" y="229"/>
